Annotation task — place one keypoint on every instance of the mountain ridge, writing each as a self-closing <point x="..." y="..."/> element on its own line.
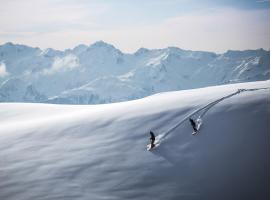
<point x="113" y="76"/>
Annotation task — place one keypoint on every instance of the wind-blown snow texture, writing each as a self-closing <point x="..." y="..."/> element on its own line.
<point x="100" y="73"/>
<point x="99" y="152"/>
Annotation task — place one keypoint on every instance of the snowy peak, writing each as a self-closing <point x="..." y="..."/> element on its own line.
<point x="78" y="49"/>
<point x="141" y="51"/>
<point x="16" y="51"/>
<point x="103" y="47"/>
<point x="10" y="47"/>
<point x="245" y="53"/>
<point x="102" y="44"/>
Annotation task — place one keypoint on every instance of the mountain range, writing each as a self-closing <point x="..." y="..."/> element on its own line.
<point x="101" y="73"/>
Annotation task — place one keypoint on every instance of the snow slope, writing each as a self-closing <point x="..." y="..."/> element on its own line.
<point x="100" y="73"/>
<point x="99" y="152"/>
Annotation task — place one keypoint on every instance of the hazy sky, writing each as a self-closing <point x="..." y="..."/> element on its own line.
<point x="212" y="25"/>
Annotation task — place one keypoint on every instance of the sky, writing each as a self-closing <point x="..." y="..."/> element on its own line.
<point x="209" y="25"/>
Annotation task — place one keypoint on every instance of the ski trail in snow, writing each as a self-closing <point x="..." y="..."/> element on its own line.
<point x="207" y="108"/>
<point x="203" y="111"/>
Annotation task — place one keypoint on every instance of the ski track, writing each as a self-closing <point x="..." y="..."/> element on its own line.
<point x="205" y="109"/>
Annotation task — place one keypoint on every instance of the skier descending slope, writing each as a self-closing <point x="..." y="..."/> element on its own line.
<point x="194" y="125"/>
<point x="152" y="141"/>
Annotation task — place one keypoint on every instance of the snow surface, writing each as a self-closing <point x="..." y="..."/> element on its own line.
<point x="100" y="73"/>
<point x="99" y="151"/>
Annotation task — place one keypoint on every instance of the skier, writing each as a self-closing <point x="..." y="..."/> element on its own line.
<point x="152" y="140"/>
<point x="193" y="124"/>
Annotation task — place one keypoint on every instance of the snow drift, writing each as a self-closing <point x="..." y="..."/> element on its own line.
<point x="99" y="152"/>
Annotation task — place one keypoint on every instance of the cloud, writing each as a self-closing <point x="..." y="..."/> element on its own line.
<point x="3" y="70"/>
<point x="218" y="30"/>
<point x="49" y="15"/>
<point x="64" y="24"/>
<point x="66" y="63"/>
<point x="262" y="1"/>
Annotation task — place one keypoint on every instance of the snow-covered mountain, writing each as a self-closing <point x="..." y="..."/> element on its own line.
<point x="100" y="73"/>
<point x="99" y="152"/>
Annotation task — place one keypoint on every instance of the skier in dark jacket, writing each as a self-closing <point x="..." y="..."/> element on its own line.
<point x="193" y="124"/>
<point x="152" y="139"/>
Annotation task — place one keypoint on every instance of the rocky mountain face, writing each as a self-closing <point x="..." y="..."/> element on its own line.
<point x="100" y="73"/>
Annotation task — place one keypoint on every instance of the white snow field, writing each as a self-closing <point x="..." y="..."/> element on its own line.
<point x="97" y="152"/>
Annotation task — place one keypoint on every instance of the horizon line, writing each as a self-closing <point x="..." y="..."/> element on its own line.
<point x="150" y="49"/>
